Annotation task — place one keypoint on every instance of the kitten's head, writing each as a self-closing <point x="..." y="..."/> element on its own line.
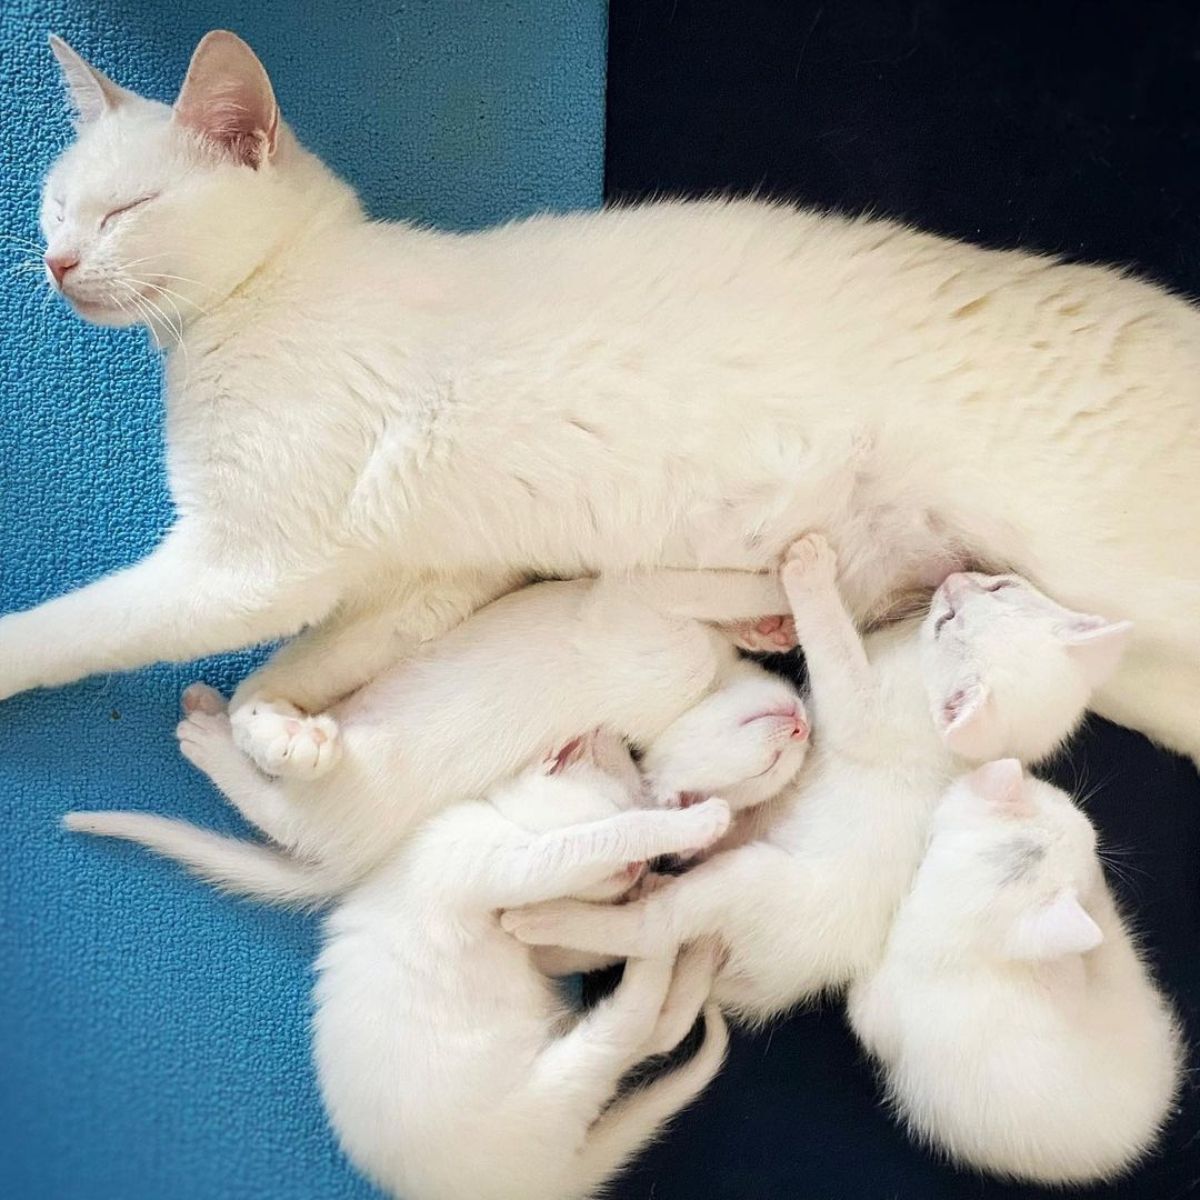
<point x="591" y="778"/>
<point x="1014" y="862"/>
<point x="1009" y="671"/>
<point x="750" y="737"/>
<point x="170" y="207"/>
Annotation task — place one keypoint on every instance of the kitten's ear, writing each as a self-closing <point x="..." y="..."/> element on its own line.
<point x="577" y="750"/>
<point x="1055" y="930"/>
<point x="92" y="92"/>
<point x="227" y="99"/>
<point x="966" y="721"/>
<point x="1096" y="644"/>
<point x="1001" y="785"/>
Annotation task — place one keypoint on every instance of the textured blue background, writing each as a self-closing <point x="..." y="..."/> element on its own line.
<point x="153" y="1036"/>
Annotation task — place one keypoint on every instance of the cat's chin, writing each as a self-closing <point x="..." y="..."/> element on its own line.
<point x="101" y="314"/>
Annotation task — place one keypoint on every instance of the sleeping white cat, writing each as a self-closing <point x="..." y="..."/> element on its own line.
<point x="807" y="905"/>
<point x="373" y="428"/>
<point x="439" y="1040"/>
<point x="1018" y="1029"/>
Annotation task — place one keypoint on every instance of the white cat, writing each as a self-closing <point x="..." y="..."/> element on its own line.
<point x="523" y="674"/>
<point x="372" y="428"/>
<point x="1017" y="1027"/>
<point x="807" y="906"/>
<point x="446" y="1058"/>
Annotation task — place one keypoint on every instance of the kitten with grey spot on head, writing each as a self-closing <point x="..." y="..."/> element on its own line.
<point x="1018" y="1029"/>
<point x="806" y="905"/>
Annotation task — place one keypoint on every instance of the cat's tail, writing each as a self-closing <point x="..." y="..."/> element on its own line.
<point x="244" y="868"/>
<point x="633" y="1122"/>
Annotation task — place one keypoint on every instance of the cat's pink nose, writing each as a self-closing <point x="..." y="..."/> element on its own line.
<point x="59" y="264"/>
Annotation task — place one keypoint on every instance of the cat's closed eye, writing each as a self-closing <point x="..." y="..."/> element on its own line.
<point x="124" y="208"/>
<point x="999" y="585"/>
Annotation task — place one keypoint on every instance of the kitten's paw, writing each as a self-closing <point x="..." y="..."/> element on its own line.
<point x="708" y="821"/>
<point x="770" y="635"/>
<point x="281" y="740"/>
<point x="810" y="562"/>
<point x="204" y="739"/>
<point x="200" y="698"/>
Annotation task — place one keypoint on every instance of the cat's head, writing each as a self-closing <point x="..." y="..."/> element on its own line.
<point x="1009" y="671"/>
<point x="170" y="208"/>
<point x="749" y="739"/>
<point x="590" y="778"/>
<point x="1014" y="864"/>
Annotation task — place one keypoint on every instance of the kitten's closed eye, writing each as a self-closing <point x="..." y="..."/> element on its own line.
<point x="999" y="585"/>
<point x="124" y="208"/>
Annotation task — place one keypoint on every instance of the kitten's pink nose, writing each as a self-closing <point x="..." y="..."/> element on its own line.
<point x="956" y="585"/>
<point x="59" y="264"/>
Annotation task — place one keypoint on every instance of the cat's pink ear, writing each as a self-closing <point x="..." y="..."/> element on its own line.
<point x="966" y="721"/>
<point x="1002" y="785"/>
<point x="228" y="100"/>
<point x="92" y="92"/>
<point x="577" y="750"/>
<point x="1096" y="644"/>
<point x="1055" y="930"/>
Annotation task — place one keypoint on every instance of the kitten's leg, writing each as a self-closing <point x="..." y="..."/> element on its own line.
<point x="567" y="860"/>
<point x="206" y="741"/>
<point x="580" y="1070"/>
<point x="720" y="597"/>
<point x="699" y="904"/>
<point x="695" y="969"/>
<point x="843" y="686"/>
<point x="176" y="604"/>
<point x="364" y="637"/>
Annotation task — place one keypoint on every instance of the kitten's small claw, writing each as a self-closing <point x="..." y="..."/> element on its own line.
<point x="199" y="697"/>
<point x="283" y="741"/>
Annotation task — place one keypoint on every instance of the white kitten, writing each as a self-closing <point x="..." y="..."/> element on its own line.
<point x="807" y="906"/>
<point x="446" y="1057"/>
<point x="373" y="428"/>
<point x="523" y="674"/>
<point x="1017" y="1027"/>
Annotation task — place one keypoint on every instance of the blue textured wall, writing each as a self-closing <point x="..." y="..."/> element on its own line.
<point x="153" y="1036"/>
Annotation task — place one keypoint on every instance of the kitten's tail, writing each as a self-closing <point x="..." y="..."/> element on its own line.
<point x="233" y="865"/>
<point x="633" y="1122"/>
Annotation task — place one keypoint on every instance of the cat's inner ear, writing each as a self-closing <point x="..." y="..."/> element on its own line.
<point x="92" y="92"/>
<point x="577" y="750"/>
<point x="1096" y="644"/>
<point x="965" y="720"/>
<point x="1002" y="785"/>
<point x="227" y="99"/>
<point x="1055" y="930"/>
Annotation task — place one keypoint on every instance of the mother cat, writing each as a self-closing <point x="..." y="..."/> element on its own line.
<point x="373" y="427"/>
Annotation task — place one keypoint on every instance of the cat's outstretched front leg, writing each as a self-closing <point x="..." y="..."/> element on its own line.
<point x="181" y="602"/>
<point x="843" y="684"/>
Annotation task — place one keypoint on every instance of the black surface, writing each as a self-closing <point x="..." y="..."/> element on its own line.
<point x="1072" y="128"/>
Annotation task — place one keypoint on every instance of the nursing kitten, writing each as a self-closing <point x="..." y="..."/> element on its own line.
<point x="373" y="428"/>
<point x="1017" y="1027"/>
<point x="808" y="904"/>
<point x="522" y="674"/>
<point x="447" y="1059"/>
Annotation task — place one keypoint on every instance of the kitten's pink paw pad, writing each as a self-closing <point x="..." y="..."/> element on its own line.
<point x="283" y="741"/>
<point x="199" y="697"/>
<point x="809" y="561"/>
<point x="771" y="635"/>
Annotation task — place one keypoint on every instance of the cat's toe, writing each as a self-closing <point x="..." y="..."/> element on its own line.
<point x="809" y="559"/>
<point x="770" y="635"/>
<point x="200" y="698"/>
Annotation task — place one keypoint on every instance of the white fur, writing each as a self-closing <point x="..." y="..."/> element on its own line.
<point x="372" y="428"/>
<point x="808" y="904"/>
<point x="1017" y="1027"/>
<point x="446" y="1057"/>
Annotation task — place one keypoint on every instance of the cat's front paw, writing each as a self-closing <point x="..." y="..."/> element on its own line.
<point x="283" y="741"/>
<point x="540" y="924"/>
<point x="810" y="562"/>
<point x="768" y="635"/>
